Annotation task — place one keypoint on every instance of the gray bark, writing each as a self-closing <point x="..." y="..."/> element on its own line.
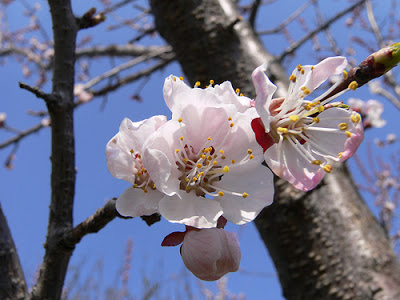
<point x="325" y="244"/>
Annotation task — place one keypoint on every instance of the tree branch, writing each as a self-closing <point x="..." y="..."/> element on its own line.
<point x="23" y="134"/>
<point x="12" y="279"/>
<point x="121" y="50"/>
<point x="320" y="28"/>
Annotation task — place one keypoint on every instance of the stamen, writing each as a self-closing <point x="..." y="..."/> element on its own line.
<point x="343" y="126"/>
<point x="282" y="130"/>
<point x="226" y="169"/>
<point x="294" y="118"/>
<point x="221" y="193"/>
<point x="355" y="118"/>
<point x="348" y="133"/>
<point x="327" y="168"/>
<point x="245" y="195"/>
<point x="197" y="84"/>
<point x="316" y="162"/>
<point x="345" y="74"/>
<point x="353" y="85"/>
<point x="292" y="78"/>
<point x="180" y="120"/>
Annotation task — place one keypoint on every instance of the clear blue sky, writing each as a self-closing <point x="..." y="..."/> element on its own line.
<point x="25" y="189"/>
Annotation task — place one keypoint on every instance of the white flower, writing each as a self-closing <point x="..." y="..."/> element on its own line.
<point x="210" y="253"/>
<point x="124" y="160"/>
<point x="299" y="135"/>
<point x="206" y="160"/>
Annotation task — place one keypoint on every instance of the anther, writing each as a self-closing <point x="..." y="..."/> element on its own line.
<point x="215" y="163"/>
<point x="221" y="151"/>
<point x="180" y="120"/>
<point x="226" y="169"/>
<point x="353" y="85"/>
<point x="321" y="108"/>
<point x="237" y="91"/>
<point x="199" y="166"/>
<point x="292" y="78"/>
<point x="181" y="78"/>
<point x="327" y="168"/>
<point x="233" y="161"/>
<point x="211" y="82"/>
<point x="251" y="156"/>
<point x="220" y="193"/>
<point x="249" y="151"/>
<point x="316" y="162"/>
<point x="316" y="120"/>
<point x="209" y="138"/>
<point x="245" y="195"/>
<point x="181" y="138"/>
<point x="294" y="118"/>
<point x="355" y="118"/>
<point x="282" y="130"/>
<point x="229" y="118"/>
<point x="348" y="133"/>
<point x="343" y="126"/>
<point x="232" y="124"/>
<point x="197" y="84"/>
<point x="345" y="74"/>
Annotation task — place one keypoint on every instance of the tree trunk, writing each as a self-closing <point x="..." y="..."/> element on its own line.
<point x="325" y="244"/>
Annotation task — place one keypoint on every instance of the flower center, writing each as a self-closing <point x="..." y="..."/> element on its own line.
<point x="201" y="170"/>
<point x="142" y="177"/>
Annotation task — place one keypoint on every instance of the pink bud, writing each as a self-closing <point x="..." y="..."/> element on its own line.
<point x="210" y="253"/>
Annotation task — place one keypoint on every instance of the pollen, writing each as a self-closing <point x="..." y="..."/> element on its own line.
<point x="345" y="74"/>
<point x="348" y="133"/>
<point x="177" y="150"/>
<point x="353" y="85"/>
<point x="316" y="162"/>
<point x="226" y="169"/>
<point x="181" y="138"/>
<point x="343" y="126"/>
<point x="209" y="157"/>
<point x="203" y="156"/>
<point x="282" y="130"/>
<point x="249" y="151"/>
<point x="327" y="168"/>
<point x="209" y="138"/>
<point x="194" y="179"/>
<point x="221" y="194"/>
<point x="251" y="156"/>
<point x="355" y="118"/>
<point x="299" y="67"/>
<point x="221" y="151"/>
<point x="215" y="163"/>
<point x="245" y="195"/>
<point x="199" y="166"/>
<point x="294" y="118"/>
<point x="211" y="81"/>
<point x="181" y="78"/>
<point x="197" y="84"/>
<point x="292" y="78"/>
<point x="180" y="120"/>
<point x="321" y="108"/>
<point x="233" y="161"/>
<point x="237" y="91"/>
<point x="316" y="120"/>
<point x="230" y="119"/>
<point x="232" y="124"/>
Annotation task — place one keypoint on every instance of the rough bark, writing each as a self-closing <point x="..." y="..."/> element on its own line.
<point x="325" y="244"/>
<point x="12" y="279"/>
<point x="60" y="107"/>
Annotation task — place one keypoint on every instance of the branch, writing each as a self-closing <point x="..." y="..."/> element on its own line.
<point x="120" y="50"/>
<point x="253" y="13"/>
<point x="323" y="26"/>
<point x="12" y="280"/>
<point x="22" y="134"/>
<point x="92" y="224"/>
<point x="48" y="98"/>
<point x="30" y="55"/>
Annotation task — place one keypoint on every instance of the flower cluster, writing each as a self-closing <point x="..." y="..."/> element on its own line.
<point x="205" y="164"/>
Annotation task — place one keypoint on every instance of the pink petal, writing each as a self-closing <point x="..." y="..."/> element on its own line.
<point x="325" y="69"/>
<point x="135" y="202"/>
<point x="210" y="253"/>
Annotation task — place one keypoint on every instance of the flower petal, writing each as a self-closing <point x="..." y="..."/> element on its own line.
<point x="190" y="210"/>
<point x="135" y="202"/>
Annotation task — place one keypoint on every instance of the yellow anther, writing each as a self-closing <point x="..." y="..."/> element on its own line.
<point x="199" y="166"/>
<point x="131" y="151"/>
<point x="203" y="156"/>
<point x="282" y="130"/>
<point x="201" y="174"/>
<point x="174" y="79"/>
<point x="355" y="118"/>
<point x="215" y="163"/>
<point x="316" y="120"/>
<point x="221" y="151"/>
<point x="223" y="157"/>
<point x="353" y="85"/>
<point x="211" y="81"/>
<point x="139" y="156"/>
<point x="194" y="179"/>
<point x="221" y="193"/>
<point x="197" y="84"/>
<point x="181" y="138"/>
<point x="292" y="78"/>
<point x="144" y="190"/>
<point x="181" y="78"/>
<point x="187" y="179"/>
<point x="340" y="154"/>
<point x="241" y="94"/>
<point x="294" y="118"/>
<point x="306" y="91"/>
<point x="251" y="156"/>
<point x="143" y="170"/>
<point x="345" y="74"/>
<point x="348" y="133"/>
<point x="316" y="162"/>
<point x="180" y="120"/>
<point x="232" y="124"/>
<point x="307" y="106"/>
<point x="177" y="150"/>
<point x="230" y="119"/>
<point x="233" y="161"/>
<point x="327" y="168"/>
<point x="185" y="160"/>
<point x="215" y="156"/>
<point x="135" y="185"/>
<point x="245" y="195"/>
<point x="209" y="138"/>
<point x="299" y="67"/>
<point x="226" y="169"/>
<point x="312" y="68"/>
<point x="249" y="151"/>
<point x="343" y="126"/>
<point x="153" y="187"/>
<point x="237" y="91"/>
<point x="209" y="157"/>
<point x="207" y="163"/>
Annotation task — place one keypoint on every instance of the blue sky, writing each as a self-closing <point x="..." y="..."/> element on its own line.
<point x="25" y="189"/>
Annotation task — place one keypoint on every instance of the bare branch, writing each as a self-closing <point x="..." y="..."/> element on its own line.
<point x="253" y="12"/>
<point x="374" y="25"/>
<point x="23" y="134"/>
<point x="30" y="55"/>
<point x="12" y="285"/>
<point x="92" y="224"/>
<point x="121" y="50"/>
<point x="37" y="92"/>
<point x="320" y="28"/>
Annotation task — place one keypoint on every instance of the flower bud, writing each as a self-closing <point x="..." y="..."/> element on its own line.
<point x="210" y="253"/>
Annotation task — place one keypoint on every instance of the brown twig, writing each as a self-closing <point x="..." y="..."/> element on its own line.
<point x="22" y="134"/>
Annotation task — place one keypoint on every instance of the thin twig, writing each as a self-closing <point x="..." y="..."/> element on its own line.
<point x="23" y="134"/>
<point x="374" y="25"/>
<point x="253" y="13"/>
<point x="320" y="28"/>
